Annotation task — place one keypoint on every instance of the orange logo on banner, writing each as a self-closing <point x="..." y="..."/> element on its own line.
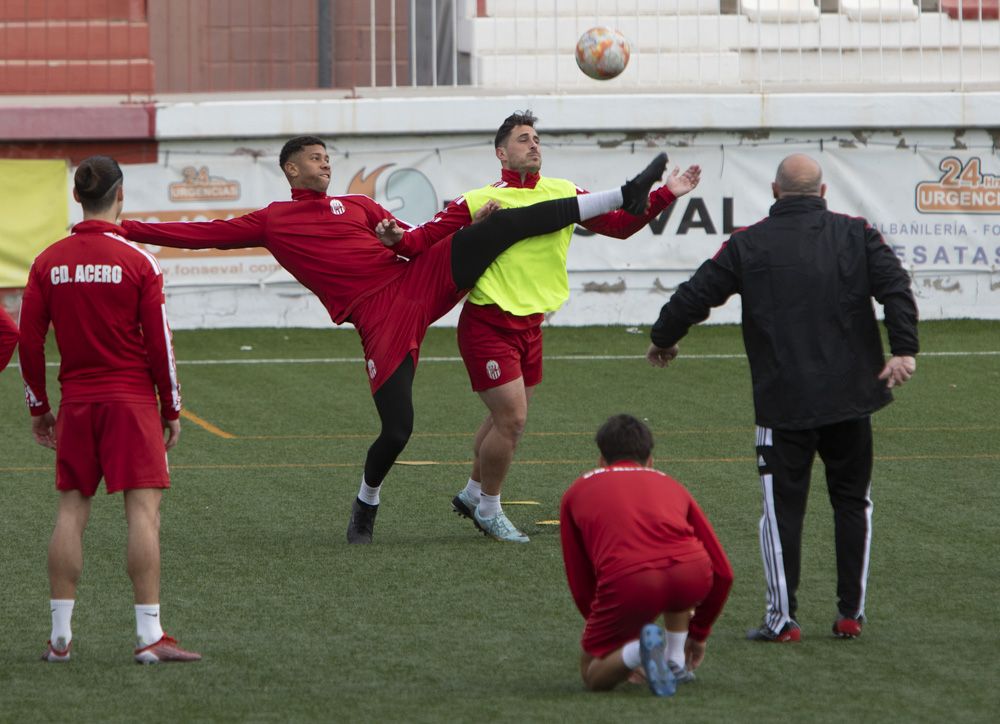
<point x="962" y="189"/>
<point x="198" y="185"/>
<point x="365" y="185"/>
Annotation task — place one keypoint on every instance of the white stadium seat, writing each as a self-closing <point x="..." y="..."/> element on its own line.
<point x="884" y="10"/>
<point x="779" y="11"/>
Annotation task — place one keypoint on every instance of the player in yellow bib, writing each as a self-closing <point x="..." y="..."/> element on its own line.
<point x="499" y="330"/>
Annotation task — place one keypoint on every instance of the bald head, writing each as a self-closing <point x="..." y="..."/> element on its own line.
<point x="798" y="175"/>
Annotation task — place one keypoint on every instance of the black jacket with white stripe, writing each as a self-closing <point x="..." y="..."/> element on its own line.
<point x="806" y="277"/>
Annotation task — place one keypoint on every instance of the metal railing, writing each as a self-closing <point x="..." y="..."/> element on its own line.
<point x="152" y="47"/>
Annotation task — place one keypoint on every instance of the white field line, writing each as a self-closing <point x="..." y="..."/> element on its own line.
<point x="553" y="357"/>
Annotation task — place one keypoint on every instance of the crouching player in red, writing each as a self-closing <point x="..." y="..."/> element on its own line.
<point x="636" y="545"/>
<point x="104" y="297"/>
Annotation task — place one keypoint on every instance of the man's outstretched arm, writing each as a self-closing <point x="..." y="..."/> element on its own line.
<point x="238" y="233"/>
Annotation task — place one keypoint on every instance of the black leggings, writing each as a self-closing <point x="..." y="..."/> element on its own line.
<point x="477" y="246"/>
<point x="394" y="402"/>
<point x="473" y="249"/>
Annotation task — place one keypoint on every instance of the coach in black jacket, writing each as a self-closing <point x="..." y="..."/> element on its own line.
<point x="807" y="277"/>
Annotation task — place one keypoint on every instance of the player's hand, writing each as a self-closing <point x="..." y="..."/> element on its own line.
<point x="682" y="183"/>
<point x="485" y="210"/>
<point x="173" y="429"/>
<point x="661" y="356"/>
<point x="694" y="653"/>
<point x="43" y="428"/>
<point x="388" y="232"/>
<point x="898" y="370"/>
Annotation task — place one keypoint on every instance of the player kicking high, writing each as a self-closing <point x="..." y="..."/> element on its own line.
<point x="104" y="297"/>
<point x="636" y="545"/>
<point x="391" y="296"/>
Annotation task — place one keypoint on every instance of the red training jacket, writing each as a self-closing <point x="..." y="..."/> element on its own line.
<point x="625" y="518"/>
<point x="618" y="224"/>
<point x="8" y="338"/>
<point x="326" y="242"/>
<point x="104" y="296"/>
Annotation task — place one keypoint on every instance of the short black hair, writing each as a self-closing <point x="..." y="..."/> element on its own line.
<point x="96" y="182"/>
<point x="517" y="118"/>
<point x="624" y="437"/>
<point x="295" y="145"/>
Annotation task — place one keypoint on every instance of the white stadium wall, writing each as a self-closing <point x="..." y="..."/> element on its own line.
<point x="923" y="169"/>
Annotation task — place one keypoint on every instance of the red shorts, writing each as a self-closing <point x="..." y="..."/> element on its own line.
<point x="498" y="347"/>
<point x="393" y="321"/>
<point x="119" y="441"/>
<point x="623" y="606"/>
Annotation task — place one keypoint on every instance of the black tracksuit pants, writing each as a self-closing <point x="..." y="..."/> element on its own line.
<point x="785" y="459"/>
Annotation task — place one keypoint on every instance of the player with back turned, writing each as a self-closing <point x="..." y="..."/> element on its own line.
<point x="807" y="277"/>
<point x="636" y="546"/>
<point x="104" y="298"/>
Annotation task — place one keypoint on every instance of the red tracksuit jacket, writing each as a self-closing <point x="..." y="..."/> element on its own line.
<point x="624" y="518"/>
<point x="104" y="296"/>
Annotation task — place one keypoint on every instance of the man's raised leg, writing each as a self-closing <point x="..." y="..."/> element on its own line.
<point x="475" y="247"/>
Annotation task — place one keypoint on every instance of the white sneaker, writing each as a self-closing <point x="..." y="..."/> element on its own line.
<point x="499" y="528"/>
<point x="54" y="655"/>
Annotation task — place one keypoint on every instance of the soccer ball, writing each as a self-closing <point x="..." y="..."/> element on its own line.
<point x="602" y="53"/>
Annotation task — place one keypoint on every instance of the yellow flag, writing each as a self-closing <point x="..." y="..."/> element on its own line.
<point x="33" y="213"/>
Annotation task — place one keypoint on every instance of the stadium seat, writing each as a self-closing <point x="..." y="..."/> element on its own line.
<point x="548" y="8"/>
<point x="876" y="10"/>
<point x="970" y="9"/>
<point x="779" y="11"/>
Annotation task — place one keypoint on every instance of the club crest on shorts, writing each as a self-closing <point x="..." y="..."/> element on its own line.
<point x="371" y="369"/>
<point x="337" y="207"/>
<point x="493" y="369"/>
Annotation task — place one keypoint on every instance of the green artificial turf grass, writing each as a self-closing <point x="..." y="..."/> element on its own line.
<point x="436" y="623"/>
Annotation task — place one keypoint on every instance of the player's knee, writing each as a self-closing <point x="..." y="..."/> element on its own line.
<point x="396" y="436"/>
<point x="512" y="426"/>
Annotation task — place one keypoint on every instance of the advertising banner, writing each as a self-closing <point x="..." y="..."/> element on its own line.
<point x="935" y="200"/>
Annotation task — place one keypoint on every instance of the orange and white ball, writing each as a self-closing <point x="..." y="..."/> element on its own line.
<point x="602" y="53"/>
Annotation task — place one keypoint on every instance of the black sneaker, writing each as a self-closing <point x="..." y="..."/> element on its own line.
<point x="789" y="633"/>
<point x="362" y="524"/>
<point x="635" y="193"/>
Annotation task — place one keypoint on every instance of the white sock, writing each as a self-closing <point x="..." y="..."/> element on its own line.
<point x="675" y="647"/>
<point x="474" y="489"/>
<point x="148" y="629"/>
<point x="62" y="613"/>
<point x="599" y="202"/>
<point x="368" y="494"/>
<point x="630" y="654"/>
<point x="489" y="505"/>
